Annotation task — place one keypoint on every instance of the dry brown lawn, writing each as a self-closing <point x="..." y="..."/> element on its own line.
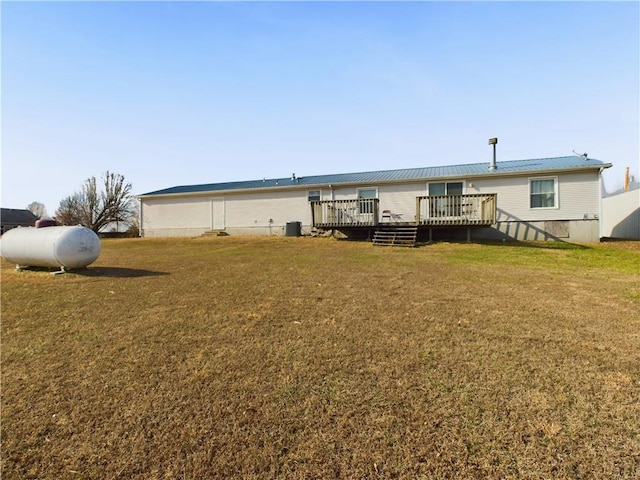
<point x="299" y="358"/>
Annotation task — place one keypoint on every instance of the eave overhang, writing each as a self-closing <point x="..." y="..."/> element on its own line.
<point x="314" y="186"/>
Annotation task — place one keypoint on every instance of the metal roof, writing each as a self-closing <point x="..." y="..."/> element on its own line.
<point x="384" y="176"/>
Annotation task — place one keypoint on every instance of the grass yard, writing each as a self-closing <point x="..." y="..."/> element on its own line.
<point x="300" y="358"/>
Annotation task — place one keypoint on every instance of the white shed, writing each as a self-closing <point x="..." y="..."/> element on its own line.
<point x="621" y="215"/>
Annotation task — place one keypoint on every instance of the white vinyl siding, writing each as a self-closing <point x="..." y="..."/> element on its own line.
<point x="400" y="199"/>
<point x="263" y="212"/>
<point x="578" y="195"/>
<point x="217" y="213"/>
<point x="267" y="209"/>
<point x="183" y="213"/>
<point x="260" y="212"/>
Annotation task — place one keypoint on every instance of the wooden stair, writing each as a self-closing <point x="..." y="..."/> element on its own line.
<point x="394" y="236"/>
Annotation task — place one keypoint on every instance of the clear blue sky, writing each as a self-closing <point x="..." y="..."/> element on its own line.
<point x="177" y="93"/>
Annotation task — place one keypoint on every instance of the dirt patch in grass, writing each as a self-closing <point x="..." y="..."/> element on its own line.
<point x="304" y="358"/>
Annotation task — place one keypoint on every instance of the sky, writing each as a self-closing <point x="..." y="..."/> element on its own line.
<point x="180" y="93"/>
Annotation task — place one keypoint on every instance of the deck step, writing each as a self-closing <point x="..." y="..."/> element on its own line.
<point x="215" y="233"/>
<point x="395" y="236"/>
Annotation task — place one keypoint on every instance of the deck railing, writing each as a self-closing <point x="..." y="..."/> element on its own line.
<point x="345" y="213"/>
<point x="474" y="209"/>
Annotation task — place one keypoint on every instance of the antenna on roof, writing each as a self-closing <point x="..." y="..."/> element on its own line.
<point x="583" y="155"/>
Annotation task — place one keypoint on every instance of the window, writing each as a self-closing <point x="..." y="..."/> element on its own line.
<point x="365" y="197"/>
<point x="543" y="192"/>
<point x="449" y="188"/>
<point x="313" y="195"/>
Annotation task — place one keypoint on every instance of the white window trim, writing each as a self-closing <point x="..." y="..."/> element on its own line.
<point x="556" y="195"/>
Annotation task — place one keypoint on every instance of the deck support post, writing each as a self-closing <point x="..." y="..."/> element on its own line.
<point x="468" y="234"/>
<point x="431" y="235"/>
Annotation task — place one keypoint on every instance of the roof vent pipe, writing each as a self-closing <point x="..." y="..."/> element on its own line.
<point x="626" y="179"/>
<point x="492" y="165"/>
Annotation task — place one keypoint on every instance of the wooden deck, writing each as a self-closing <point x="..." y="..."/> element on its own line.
<point x="438" y="210"/>
<point x="345" y="213"/>
<point x="451" y="210"/>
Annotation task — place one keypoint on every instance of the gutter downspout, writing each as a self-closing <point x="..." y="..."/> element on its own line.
<point x="140" y="234"/>
<point x="600" y="202"/>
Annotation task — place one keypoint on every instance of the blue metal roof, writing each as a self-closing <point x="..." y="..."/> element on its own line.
<point x="426" y="173"/>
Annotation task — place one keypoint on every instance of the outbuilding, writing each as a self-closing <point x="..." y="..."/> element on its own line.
<point x="12" y="217"/>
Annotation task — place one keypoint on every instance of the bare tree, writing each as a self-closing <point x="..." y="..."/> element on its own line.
<point x="70" y="211"/>
<point x="134" y="221"/>
<point x="94" y="208"/>
<point x="38" y="209"/>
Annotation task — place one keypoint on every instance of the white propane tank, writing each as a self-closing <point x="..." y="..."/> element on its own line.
<point x="66" y="247"/>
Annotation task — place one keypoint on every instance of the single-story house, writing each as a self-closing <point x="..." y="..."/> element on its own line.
<point x="536" y="199"/>
<point x="13" y="217"/>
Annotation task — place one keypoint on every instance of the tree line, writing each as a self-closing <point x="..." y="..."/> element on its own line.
<point x="96" y="205"/>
